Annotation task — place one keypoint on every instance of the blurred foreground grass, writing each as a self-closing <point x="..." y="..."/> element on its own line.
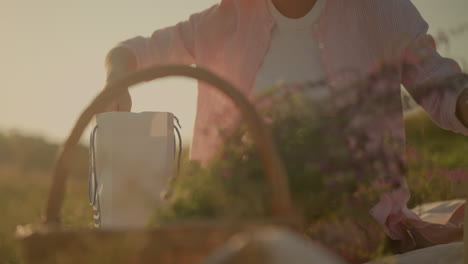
<point x="26" y="162"/>
<point x="25" y="170"/>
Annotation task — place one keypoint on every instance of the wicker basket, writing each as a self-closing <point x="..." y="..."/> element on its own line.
<point x="182" y="243"/>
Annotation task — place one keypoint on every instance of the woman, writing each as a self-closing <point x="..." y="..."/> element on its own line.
<point x="255" y="43"/>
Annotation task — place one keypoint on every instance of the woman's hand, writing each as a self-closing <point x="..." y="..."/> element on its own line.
<point x="119" y="62"/>
<point x="122" y="104"/>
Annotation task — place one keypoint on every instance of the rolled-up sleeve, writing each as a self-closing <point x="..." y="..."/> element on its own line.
<point x="434" y="82"/>
<point x="170" y="45"/>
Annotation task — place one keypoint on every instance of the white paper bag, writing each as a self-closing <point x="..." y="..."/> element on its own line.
<point x="132" y="159"/>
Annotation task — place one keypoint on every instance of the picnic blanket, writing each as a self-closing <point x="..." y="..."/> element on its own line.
<point x="438" y="221"/>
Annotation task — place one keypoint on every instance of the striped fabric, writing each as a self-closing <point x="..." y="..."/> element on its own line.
<point x="232" y="38"/>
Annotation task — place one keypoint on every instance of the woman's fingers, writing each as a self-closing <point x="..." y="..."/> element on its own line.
<point x="122" y="104"/>
<point x="113" y="107"/>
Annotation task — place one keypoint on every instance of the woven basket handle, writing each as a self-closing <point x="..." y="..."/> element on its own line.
<point x="272" y="164"/>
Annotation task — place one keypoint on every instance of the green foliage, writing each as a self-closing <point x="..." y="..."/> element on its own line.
<point x="333" y="182"/>
<point x="337" y="169"/>
<point x="34" y="153"/>
<point x="23" y="190"/>
<point x="432" y="152"/>
<point x="27" y="152"/>
<point x="25" y="170"/>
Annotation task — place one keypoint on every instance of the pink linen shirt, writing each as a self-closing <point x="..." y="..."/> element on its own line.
<point x="232" y="38"/>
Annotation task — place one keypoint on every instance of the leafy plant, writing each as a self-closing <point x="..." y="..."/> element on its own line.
<point x="338" y="157"/>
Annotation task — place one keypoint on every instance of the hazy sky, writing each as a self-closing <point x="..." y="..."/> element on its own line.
<point x="52" y="54"/>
